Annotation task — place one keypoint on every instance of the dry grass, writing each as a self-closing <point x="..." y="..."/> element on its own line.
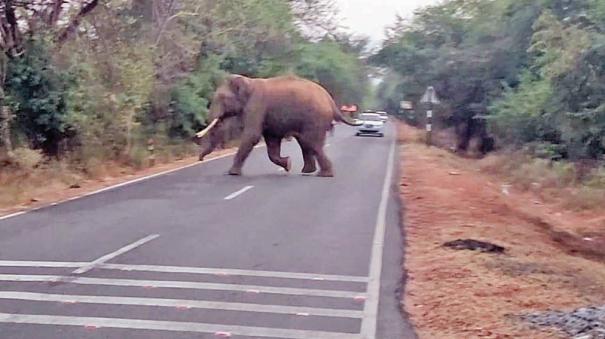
<point x="552" y="181"/>
<point x="32" y="181"/>
<point x="463" y="294"/>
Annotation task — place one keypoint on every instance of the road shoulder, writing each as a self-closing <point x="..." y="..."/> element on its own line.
<point x="54" y="195"/>
<point x="461" y="293"/>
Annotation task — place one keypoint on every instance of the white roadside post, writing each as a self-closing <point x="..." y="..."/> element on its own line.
<point x="429" y="98"/>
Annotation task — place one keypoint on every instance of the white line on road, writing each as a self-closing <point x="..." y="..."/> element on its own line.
<point x="12" y="215"/>
<point x="177" y="326"/>
<point x="49" y="264"/>
<point x="237" y="272"/>
<point x="126" y="183"/>
<point x="161" y="302"/>
<point x="180" y="284"/>
<point x="370" y="309"/>
<point x="114" y="254"/>
<point x="238" y="193"/>
<point x="190" y="270"/>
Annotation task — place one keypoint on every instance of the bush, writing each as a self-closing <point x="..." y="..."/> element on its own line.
<point x="28" y="159"/>
<point x="597" y="178"/>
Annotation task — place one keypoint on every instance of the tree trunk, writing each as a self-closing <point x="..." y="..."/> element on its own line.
<point x="5" y="137"/>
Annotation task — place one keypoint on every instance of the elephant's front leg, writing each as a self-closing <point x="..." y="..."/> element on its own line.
<point x="247" y="143"/>
<point x="274" y="151"/>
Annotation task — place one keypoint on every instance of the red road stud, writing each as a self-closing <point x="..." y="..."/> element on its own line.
<point x="223" y="334"/>
<point x="91" y="327"/>
<point x="183" y="308"/>
<point x="148" y="286"/>
<point x="360" y="298"/>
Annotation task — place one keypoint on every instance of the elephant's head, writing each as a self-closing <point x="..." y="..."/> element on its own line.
<point x="228" y="101"/>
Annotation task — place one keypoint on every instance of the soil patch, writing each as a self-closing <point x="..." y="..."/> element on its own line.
<point x="547" y="265"/>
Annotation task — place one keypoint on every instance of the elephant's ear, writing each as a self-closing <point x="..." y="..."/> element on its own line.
<point x="241" y="86"/>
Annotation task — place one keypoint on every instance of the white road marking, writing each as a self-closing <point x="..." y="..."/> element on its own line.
<point x="155" y="175"/>
<point x="238" y="193"/>
<point x="178" y="326"/>
<point x="238" y="272"/>
<point x="114" y="254"/>
<point x="191" y="270"/>
<point x="370" y="309"/>
<point x="49" y="264"/>
<point x="126" y="183"/>
<point x="178" y="284"/>
<point x="182" y="303"/>
<point x="12" y="215"/>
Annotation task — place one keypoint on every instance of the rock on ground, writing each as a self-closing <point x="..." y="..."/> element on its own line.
<point x="583" y="323"/>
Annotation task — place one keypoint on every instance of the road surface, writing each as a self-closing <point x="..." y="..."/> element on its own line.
<point x="198" y="254"/>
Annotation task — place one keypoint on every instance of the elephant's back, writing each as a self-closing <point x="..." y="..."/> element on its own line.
<point x="297" y="93"/>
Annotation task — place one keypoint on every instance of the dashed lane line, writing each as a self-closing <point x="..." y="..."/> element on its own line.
<point x="238" y="193"/>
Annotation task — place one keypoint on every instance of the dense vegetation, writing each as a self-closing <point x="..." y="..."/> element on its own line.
<point x="528" y="72"/>
<point x="89" y="80"/>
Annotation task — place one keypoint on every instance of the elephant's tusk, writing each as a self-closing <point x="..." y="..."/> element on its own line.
<point x="207" y="129"/>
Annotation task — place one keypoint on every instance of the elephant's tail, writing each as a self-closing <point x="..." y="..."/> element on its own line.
<point x="338" y="116"/>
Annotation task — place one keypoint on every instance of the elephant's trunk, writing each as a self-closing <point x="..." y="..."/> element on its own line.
<point x="205" y="151"/>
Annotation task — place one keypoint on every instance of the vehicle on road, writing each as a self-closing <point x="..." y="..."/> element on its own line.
<point x="372" y="123"/>
<point x="383" y="115"/>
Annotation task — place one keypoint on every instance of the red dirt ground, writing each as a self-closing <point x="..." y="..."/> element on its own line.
<point x="466" y="294"/>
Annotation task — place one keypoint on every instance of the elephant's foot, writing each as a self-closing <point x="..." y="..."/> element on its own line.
<point x="309" y="169"/>
<point x="235" y="171"/>
<point x="325" y="174"/>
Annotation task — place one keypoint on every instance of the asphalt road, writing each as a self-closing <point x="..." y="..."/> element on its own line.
<point x="198" y="254"/>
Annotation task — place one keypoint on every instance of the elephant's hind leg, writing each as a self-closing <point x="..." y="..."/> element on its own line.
<point x="308" y="157"/>
<point x="274" y="151"/>
<point x="324" y="163"/>
<point x="316" y="142"/>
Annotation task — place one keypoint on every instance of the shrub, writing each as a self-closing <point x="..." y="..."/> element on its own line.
<point x="28" y="159"/>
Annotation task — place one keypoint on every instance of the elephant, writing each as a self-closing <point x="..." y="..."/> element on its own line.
<point x="274" y="109"/>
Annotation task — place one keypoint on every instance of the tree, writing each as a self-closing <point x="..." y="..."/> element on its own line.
<point x="21" y="22"/>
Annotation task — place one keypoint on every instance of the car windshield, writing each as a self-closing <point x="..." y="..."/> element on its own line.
<point x="370" y="117"/>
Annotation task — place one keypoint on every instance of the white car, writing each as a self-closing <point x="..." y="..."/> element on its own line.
<point x="372" y="123"/>
<point x="383" y="115"/>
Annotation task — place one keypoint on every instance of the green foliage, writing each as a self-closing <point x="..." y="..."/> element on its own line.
<point x="139" y="70"/>
<point x="36" y="90"/>
<point x="532" y="70"/>
<point x="521" y="115"/>
<point x="341" y="73"/>
<point x="191" y="98"/>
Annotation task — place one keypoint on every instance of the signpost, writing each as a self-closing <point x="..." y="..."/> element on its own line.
<point x="430" y="98"/>
<point x="406" y="105"/>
